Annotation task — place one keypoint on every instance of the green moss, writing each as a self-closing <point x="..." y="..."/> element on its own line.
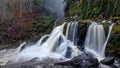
<point x="90" y="9"/>
<point x="115" y="35"/>
<point x="36" y="2"/>
<point x="113" y="46"/>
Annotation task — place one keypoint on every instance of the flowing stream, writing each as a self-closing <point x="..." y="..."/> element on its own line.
<point x="57" y="44"/>
<point x="95" y="39"/>
<point x="55" y="47"/>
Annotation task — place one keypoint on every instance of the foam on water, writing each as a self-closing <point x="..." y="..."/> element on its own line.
<point x="55" y="47"/>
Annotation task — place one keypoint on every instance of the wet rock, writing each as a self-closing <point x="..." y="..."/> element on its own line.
<point x="114" y="66"/>
<point x="117" y="63"/>
<point x="108" y="61"/>
<point x="84" y="60"/>
<point x="85" y="56"/>
<point x="48" y="63"/>
<point x="90" y="63"/>
<point x="76" y="61"/>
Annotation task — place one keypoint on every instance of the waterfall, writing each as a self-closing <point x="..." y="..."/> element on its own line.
<point x="110" y="29"/>
<point x="72" y="32"/>
<point x="96" y="41"/>
<point x="61" y="47"/>
<point x="46" y="49"/>
<point x="72" y="35"/>
<point x="55" y="47"/>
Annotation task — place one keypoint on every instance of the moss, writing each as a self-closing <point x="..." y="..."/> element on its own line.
<point x="91" y="9"/>
<point x="113" y="46"/>
<point x="115" y="35"/>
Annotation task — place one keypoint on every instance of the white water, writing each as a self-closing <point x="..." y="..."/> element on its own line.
<point x="51" y="48"/>
<point x="95" y="40"/>
<point x="110" y="29"/>
<point x="71" y="32"/>
<point x="40" y="41"/>
<point x="67" y="30"/>
<point x="56" y="45"/>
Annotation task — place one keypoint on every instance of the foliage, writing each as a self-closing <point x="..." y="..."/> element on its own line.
<point x="7" y="7"/>
<point x="42" y="24"/>
<point x="36" y="2"/>
<point x="115" y="35"/>
<point x="89" y="9"/>
<point x="113" y="47"/>
<point x="28" y="27"/>
<point x="22" y="20"/>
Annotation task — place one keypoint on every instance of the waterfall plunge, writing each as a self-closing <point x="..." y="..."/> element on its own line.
<point x="72" y="32"/>
<point x="55" y="47"/>
<point x="95" y="40"/>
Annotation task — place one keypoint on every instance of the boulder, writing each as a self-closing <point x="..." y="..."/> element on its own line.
<point x="90" y="63"/>
<point x="84" y="60"/>
<point x="108" y="61"/>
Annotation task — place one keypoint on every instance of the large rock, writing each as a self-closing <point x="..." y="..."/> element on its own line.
<point x="117" y="63"/>
<point x="85" y="56"/>
<point x="108" y="61"/>
<point x="34" y="63"/>
<point x="76" y="61"/>
<point x="90" y="63"/>
<point x="84" y="60"/>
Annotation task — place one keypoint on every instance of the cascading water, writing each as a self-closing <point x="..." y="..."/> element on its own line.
<point x="110" y="29"/>
<point x="95" y="39"/>
<point x="55" y="47"/>
<point x="72" y="32"/>
<point x="72" y="35"/>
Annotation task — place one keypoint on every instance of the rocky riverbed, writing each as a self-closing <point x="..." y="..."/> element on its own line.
<point x="85" y="60"/>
